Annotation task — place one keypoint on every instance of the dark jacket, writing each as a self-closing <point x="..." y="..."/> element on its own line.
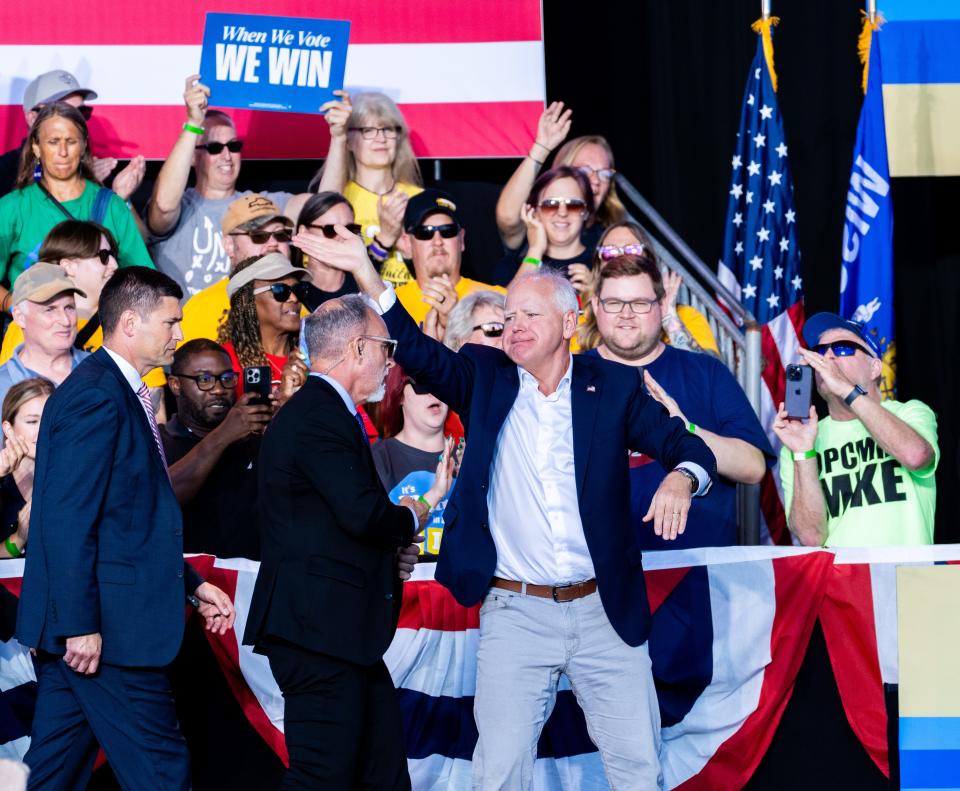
<point x="612" y="414"/>
<point x="328" y="534"/>
<point x="106" y="536"/>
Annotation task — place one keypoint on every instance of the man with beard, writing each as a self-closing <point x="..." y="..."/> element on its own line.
<point x="695" y="387"/>
<point x="326" y="601"/>
<point x="212" y="445"/>
<point x="433" y="239"/>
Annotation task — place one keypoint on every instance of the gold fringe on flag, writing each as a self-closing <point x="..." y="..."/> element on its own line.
<point x="763" y="27"/>
<point x="863" y="42"/>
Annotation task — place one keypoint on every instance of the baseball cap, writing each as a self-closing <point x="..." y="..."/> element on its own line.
<point x="252" y="207"/>
<point x="272" y="266"/>
<point x="819" y="323"/>
<point x="52" y="87"/>
<point x="41" y="282"/>
<point x="428" y="202"/>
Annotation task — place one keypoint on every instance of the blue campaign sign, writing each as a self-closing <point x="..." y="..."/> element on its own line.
<point x="280" y="63"/>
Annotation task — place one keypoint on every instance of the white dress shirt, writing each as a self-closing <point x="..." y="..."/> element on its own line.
<point x="133" y="378"/>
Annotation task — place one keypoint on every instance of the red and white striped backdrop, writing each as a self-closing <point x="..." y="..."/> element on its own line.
<point x="469" y="77"/>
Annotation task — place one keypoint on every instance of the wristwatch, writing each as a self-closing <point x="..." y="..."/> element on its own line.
<point x="694" y="481"/>
<point x="854" y="395"/>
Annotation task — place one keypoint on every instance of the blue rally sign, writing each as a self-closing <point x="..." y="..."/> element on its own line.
<point x="280" y="63"/>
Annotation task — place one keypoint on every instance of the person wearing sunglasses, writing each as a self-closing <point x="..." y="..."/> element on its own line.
<point x="185" y="224"/>
<point x="212" y="444"/>
<point x="865" y="474"/>
<point x="591" y="154"/>
<point x="65" y="189"/>
<point x="477" y="318"/>
<point x="684" y="327"/>
<point x="378" y="176"/>
<point x="252" y="227"/>
<point x="263" y="324"/>
<point x="560" y="203"/>
<point x="698" y="389"/>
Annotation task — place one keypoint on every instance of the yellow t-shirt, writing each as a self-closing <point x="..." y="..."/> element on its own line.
<point x="203" y="311"/>
<point x="411" y="297"/>
<point x="364" y="205"/>
<point x="698" y="327"/>
<point x="14" y="337"/>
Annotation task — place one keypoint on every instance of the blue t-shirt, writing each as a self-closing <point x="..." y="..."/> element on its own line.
<point x="710" y="397"/>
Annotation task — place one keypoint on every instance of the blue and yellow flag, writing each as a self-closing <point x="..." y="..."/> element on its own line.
<point x="866" y="279"/>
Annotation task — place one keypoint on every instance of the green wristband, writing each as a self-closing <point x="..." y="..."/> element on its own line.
<point x="425" y="501"/>
<point x="531" y="260"/>
<point x="800" y="455"/>
<point x="691" y="428"/>
<point x="188" y="127"/>
<point x="12" y="548"/>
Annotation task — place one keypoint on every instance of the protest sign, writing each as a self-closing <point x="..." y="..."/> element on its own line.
<point x="285" y="64"/>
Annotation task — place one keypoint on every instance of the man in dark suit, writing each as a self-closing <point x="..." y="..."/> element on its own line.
<point x="105" y="583"/>
<point x="538" y="526"/>
<point x="327" y="596"/>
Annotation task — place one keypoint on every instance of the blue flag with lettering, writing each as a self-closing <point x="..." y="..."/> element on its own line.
<point x="866" y="280"/>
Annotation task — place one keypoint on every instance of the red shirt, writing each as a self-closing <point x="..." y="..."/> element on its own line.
<point x="276" y="363"/>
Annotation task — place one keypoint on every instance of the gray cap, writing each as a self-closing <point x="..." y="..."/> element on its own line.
<point x="52" y="87"/>
<point x="272" y="266"/>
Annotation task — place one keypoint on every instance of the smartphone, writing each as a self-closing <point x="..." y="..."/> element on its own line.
<point x="799" y="391"/>
<point x="256" y="379"/>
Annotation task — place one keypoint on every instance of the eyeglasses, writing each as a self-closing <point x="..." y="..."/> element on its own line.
<point x="491" y="329"/>
<point x="330" y="231"/>
<point x="424" y="233"/>
<point x="205" y="381"/>
<point x="841" y="348"/>
<point x="604" y="174"/>
<point x="372" y="132"/>
<point x="389" y="344"/>
<point x="281" y="291"/>
<point x="105" y="255"/>
<point x="233" y="146"/>
<point x="552" y="205"/>
<point x="608" y="251"/>
<point x="262" y="237"/>
<point x="638" y="306"/>
<point x="419" y="389"/>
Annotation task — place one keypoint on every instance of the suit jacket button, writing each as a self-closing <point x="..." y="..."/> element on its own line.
<point x="180" y="573"/>
<point x="388" y="596"/>
<point x="178" y="532"/>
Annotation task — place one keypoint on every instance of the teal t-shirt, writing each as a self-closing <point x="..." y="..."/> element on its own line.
<point x="27" y="216"/>
<point x="871" y="499"/>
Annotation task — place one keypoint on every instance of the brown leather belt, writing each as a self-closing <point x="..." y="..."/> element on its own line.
<point x="559" y="593"/>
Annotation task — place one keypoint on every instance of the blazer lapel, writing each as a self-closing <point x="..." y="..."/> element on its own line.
<point x="584" y="402"/>
<point x="505" y="389"/>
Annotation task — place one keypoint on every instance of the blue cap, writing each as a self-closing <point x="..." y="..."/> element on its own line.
<point x="819" y="323"/>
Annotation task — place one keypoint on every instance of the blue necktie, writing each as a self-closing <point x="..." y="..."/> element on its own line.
<point x="363" y="428"/>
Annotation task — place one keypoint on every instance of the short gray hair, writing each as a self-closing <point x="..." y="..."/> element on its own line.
<point x="564" y="295"/>
<point x="460" y="321"/>
<point x="332" y="326"/>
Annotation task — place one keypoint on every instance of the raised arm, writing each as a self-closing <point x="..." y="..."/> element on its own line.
<point x="552" y="128"/>
<point x="163" y="212"/>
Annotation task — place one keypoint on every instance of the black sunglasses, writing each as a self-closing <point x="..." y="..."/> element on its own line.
<point x="207" y="381"/>
<point x="106" y="254"/>
<point x="492" y="329"/>
<point x="418" y="388"/>
<point x="233" y="146"/>
<point x="425" y="233"/>
<point x="841" y="348"/>
<point x="262" y="237"/>
<point x="281" y="291"/>
<point x="330" y="231"/>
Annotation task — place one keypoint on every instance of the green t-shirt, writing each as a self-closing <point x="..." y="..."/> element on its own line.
<point x="871" y="499"/>
<point x="27" y="216"/>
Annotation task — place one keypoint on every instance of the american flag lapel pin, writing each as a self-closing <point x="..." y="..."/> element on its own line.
<point x="591" y="389"/>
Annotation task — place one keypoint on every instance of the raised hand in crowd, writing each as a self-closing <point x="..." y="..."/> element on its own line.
<point x="552" y="128"/>
<point x="676" y="331"/>
<point x="125" y="183"/>
<point x="441" y="296"/>
<point x="103" y="167"/>
<point x="441" y="485"/>
<point x="292" y="378"/>
<point x="14" y="451"/>
<point x="581" y="277"/>
<point x="390" y="209"/>
<point x="431" y="325"/>
<point x="215" y="608"/>
<point x="798" y="436"/>
<point x="196" y="97"/>
<point x="337" y="114"/>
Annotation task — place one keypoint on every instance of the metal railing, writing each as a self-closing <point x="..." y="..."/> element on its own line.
<point x="738" y="338"/>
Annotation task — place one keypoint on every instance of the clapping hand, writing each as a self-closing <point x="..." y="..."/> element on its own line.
<point x="390" y="210"/>
<point x="14" y="451"/>
<point x="440" y="295"/>
<point x="125" y="183"/>
<point x="345" y="252"/>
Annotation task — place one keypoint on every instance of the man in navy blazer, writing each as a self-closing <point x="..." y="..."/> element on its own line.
<point x="105" y="583"/>
<point x="538" y="526"/>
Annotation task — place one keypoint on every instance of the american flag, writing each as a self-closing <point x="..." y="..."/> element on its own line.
<point x="761" y="258"/>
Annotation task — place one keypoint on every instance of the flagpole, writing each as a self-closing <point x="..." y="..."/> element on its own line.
<point x="765" y="8"/>
<point x="872" y="10"/>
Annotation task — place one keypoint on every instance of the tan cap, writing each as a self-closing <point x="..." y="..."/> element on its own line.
<point x="272" y="266"/>
<point x="252" y="207"/>
<point x="41" y="282"/>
